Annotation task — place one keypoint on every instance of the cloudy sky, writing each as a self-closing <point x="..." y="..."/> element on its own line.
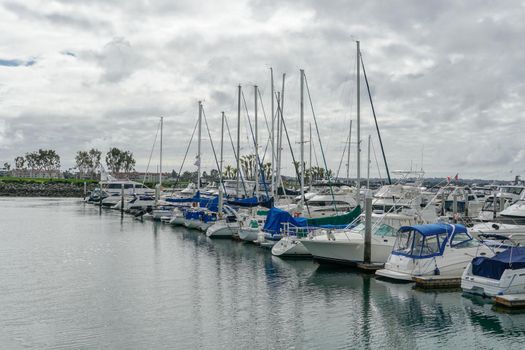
<point x="447" y="77"/>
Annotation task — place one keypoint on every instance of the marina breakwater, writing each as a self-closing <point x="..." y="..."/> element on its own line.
<point x="44" y="189"/>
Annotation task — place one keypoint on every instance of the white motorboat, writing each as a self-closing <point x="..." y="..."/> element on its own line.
<point x="500" y="200"/>
<point x="502" y="274"/>
<point x="432" y="249"/>
<point x="514" y="213"/>
<point x="466" y="202"/>
<point x="347" y="246"/>
<point x="138" y="202"/>
<point x="515" y="233"/>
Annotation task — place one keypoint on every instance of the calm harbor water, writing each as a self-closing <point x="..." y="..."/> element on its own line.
<point x="72" y="278"/>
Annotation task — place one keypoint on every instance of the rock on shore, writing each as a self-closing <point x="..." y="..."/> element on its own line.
<point x="50" y="189"/>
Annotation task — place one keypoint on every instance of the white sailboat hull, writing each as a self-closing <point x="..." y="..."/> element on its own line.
<point x="291" y="247"/>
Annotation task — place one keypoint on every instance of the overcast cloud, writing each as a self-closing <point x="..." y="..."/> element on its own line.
<point x="446" y="76"/>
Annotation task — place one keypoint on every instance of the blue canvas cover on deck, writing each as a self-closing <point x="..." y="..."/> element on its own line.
<point x="277" y="216"/>
<point x="251" y="202"/>
<point x="195" y="198"/>
<point x="209" y="203"/>
<point x="513" y="258"/>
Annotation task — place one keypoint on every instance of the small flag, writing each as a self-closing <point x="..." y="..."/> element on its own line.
<point x="456" y="178"/>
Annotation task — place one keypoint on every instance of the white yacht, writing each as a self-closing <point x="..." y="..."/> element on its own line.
<point x="499" y="201"/>
<point x="396" y="198"/>
<point x="504" y="273"/>
<point x="516" y="233"/>
<point x="514" y="213"/>
<point x="113" y="188"/>
<point x="347" y="246"/>
<point x="467" y="203"/>
<point x="432" y="249"/>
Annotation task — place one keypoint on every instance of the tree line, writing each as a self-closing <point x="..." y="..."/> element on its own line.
<point x="86" y="162"/>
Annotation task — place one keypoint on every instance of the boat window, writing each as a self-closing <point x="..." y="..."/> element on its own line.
<point x="429" y="246"/>
<point x="385" y="231"/>
<point x="404" y="242"/>
<point x="488" y="205"/>
<point x="462" y="240"/>
<point x="126" y="186"/>
<point x="114" y="186"/>
<point x="512" y="190"/>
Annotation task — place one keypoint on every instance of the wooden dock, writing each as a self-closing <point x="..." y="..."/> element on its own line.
<point x="511" y="300"/>
<point x="437" y="282"/>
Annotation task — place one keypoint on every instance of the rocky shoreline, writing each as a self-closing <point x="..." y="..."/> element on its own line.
<point x="27" y="189"/>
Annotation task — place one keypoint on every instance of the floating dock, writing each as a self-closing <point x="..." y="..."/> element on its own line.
<point x="437" y="282"/>
<point x="511" y="300"/>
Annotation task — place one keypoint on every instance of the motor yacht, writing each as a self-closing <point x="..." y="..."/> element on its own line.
<point x="346" y="246"/>
<point x="502" y="274"/>
<point x="432" y="249"/>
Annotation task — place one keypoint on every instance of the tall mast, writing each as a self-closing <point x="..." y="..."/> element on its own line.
<point x="272" y="133"/>
<point x="358" y="125"/>
<point x="348" y="155"/>
<point x="278" y="147"/>
<point x="238" y="139"/>
<point x="256" y="146"/>
<point x="160" y="167"/>
<point x="310" y="160"/>
<point x="199" y="149"/>
<point x="301" y="203"/>
<point x="220" y="165"/>
<point x="280" y="127"/>
<point x="368" y="166"/>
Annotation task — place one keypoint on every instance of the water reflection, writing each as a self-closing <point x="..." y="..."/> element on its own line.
<point x="72" y="278"/>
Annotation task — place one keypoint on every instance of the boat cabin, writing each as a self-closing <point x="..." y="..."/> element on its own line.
<point x="426" y="241"/>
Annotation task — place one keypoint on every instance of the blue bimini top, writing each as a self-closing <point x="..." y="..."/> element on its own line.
<point x="427" y="241"/>
<point x="513" y="258"/>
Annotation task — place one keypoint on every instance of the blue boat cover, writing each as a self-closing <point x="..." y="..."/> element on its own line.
<point x="434" y="229"/>
<point x="251" y="202"/>
<point x="195" y="198"/>
<point x="513" y="258"/>
<point x="277" y="216"/>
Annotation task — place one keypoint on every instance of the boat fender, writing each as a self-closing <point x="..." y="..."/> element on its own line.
<point x="436" y="271"/>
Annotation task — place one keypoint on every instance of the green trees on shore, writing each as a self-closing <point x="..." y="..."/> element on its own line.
<point x="41" y="160"/>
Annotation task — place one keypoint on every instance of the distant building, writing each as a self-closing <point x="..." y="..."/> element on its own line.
<point x="142" y="176"/>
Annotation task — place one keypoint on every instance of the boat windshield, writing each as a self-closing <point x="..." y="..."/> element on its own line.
<point x="382" y="230"/>
<point x="463" y="240"/>
<point x="512" y="190"/>
<point x="417" y="246"/>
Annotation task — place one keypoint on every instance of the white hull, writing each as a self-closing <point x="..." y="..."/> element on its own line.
<point x="177" y="221"/>
<point x="347" y="252"/>
<point x="452" y="264"/>
<point x="510" y="282"/>
<point x="248" y="234"/>
<point x="222" y="229"/>
<point x="290" y="246"/>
